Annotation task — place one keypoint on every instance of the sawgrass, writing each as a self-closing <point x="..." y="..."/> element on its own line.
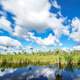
<point x="39" y="58"/>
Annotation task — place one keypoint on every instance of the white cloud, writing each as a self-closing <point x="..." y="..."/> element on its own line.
<point x="76" y="23"/>
<point x="55" y="24"/>
<point x="55" y="4"/>
<point x="75" y="35"/>
<point x="5" y="24"/>
<point x="50" y="40"/>
<point x="20" y="31"/>
<point x="34" y="14"/>
<point x="76" y="47"/>
<point x="7" y="41"/>
<point x="2" y="47"/>
<point x="31" y="14"/>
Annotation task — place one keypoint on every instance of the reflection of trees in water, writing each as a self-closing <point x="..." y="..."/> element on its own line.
<point x="69" y="65"/>
<point x="78" y="64"/>
<point x="3" y="69"/>
<point x="58" y="77"/>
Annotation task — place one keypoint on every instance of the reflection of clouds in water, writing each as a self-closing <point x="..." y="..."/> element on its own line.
<point x="29" y="73"/>
<point x="6" y="71"/>
<point x="37" y="72"/>
<point x="46" y="72"/>
<point x="77" y="72"/>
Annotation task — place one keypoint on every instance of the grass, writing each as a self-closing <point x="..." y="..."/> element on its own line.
<point x="40" y="58"/>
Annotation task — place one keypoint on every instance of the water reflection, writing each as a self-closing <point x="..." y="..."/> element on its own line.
<point x="40" y="73"/>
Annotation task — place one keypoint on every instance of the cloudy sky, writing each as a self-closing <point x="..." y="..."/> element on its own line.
<point x="41" y="24"/>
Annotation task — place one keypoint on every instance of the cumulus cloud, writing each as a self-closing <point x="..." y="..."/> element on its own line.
<point x="5" y="24"/>
<point x="31" y="14"/>
<point x="2" y="47"/>
<point x="55" y="4"/>
<point x="76" y="23"/>
<point x="76" y="47"/>
<point x="34" y="14"/>
<point x="55" y="24"/>
<point x="9" y="42"/>
<point x="50" y="40"/>
<point x="75" y="35"/>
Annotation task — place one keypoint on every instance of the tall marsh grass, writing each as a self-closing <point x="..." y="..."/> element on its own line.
<point x="40" y="58"/>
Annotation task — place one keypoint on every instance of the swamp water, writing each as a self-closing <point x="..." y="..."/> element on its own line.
<point x="51" y="72"/>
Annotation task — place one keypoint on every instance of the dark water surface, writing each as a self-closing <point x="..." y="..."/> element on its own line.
<point x="39" y="73"/>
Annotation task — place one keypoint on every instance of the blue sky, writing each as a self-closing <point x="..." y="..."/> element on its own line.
<point x="46" y="24"/>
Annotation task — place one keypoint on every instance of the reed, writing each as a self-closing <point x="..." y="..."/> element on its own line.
<point x="40" y="58"/>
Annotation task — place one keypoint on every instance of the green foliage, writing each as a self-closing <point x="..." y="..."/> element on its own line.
<point x="40" y="58"/>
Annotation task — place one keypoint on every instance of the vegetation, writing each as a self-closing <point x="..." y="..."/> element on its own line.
<point x="40" y="58"/>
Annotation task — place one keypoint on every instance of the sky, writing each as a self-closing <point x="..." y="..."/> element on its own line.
<point x="39" y="24"/>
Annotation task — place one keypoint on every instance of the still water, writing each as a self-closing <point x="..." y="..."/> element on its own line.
<point x="40" y="73"/>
